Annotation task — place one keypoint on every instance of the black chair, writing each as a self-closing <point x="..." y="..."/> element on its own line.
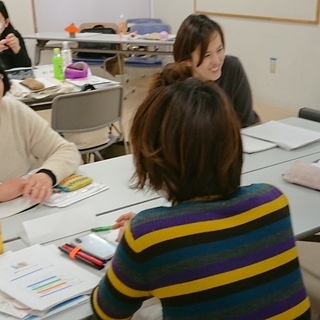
<point x="309" y="114"/>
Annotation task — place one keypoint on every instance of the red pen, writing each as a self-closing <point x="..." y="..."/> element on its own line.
<point x="99" y="264"/>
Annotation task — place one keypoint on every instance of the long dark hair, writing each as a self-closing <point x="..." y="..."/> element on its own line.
<point x="4" y="12"/>
<point x="5" y="80"/>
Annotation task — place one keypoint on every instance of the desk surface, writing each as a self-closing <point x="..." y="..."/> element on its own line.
<point x="99" y="37"/>
<point x="304" y="202"/>
<point x="84" y="310"/>
<point x="271" y="157"/>
<point x="43" y="37"/>
<point x="115" y="173"/>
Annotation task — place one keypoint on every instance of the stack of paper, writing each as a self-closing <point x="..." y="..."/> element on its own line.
<point x="40" y="280"/>
<point x="252" y="145"/>
<point x="283" y="135"/>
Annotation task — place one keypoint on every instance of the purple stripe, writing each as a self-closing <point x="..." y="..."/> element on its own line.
<point x="219" y="213"/>
<point x="276" y="308"/>
<point x="224" y="266"/>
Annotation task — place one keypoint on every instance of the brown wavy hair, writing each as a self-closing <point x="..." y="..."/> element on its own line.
<point x="171" y="73"/>
<point x="186" y="141"/>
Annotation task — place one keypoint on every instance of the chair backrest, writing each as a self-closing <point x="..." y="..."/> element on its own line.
<point x="309" y="114"/>
<point x="145" y="28"/>
<point x="98" y="27"/>
<point x="131" y="22"/>
<point x="87" y="110"/>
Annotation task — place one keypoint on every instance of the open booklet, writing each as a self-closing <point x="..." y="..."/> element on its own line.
<point x="285" y="136"/>
<point x="252" y="145"/>
<point x="40" y="280"/>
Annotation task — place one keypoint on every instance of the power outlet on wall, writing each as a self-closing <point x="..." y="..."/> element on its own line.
<point x="273" y="65"/>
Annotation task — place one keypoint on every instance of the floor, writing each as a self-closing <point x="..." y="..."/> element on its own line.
<point x="133" y="100"/>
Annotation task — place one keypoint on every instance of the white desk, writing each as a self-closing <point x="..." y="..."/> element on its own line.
<point x="304" y="202"/>
<point x="43" y="38"/>
<point x="115" y="173"/>
<point x="271" y="157"/>
<point x="108" y="205"/>
<point x="82" y="311"/>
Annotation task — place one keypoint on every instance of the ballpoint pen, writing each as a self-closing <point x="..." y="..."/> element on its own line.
<point x="103" y="228"/>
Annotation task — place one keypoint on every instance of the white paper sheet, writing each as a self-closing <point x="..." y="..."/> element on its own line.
<point x="58" y="225"/>
<point x="286" y="136"/>
<point x="252" y="145"/>
<point x="25" y="272"/>
<point x="9" y="208"/>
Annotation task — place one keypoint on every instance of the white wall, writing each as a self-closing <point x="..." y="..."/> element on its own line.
<point x="295" y="83"/>
<point x="55" y="15"/>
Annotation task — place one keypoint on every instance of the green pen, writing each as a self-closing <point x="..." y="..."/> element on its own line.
<point x="104" y="228"/>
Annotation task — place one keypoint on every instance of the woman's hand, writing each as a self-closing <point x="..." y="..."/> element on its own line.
<point x="121" y="223"/>
<point x="3" y="45"/>
<point x="38" y="187"/>
<point x="11" y="189"/>
<point x="13" y="43"/>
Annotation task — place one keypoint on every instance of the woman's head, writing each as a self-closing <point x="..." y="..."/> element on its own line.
<point x="4" y="17"/>
<point x="5" y="83"/>
<point x="200" y="42"/>
<point x="186" y="141"/>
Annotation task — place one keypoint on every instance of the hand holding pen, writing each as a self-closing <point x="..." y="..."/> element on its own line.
<point x="121" y="223"/>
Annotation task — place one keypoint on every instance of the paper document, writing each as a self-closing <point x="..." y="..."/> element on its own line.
<point x="286" y="136"/>
<point x="40" y="278"/>
<point x="94" y="80"/>
<point x="9" y="208"/>
<point x="252" y="145"/>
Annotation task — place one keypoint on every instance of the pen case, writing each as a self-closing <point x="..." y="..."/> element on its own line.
<point x="76" y="70"/>
<point x="304" y="174"/>
<point x="75" y="253"/>
<point x="74" y="182"/>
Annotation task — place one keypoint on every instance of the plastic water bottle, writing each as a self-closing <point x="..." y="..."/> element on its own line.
<point x="57" y="62"/>
<point x="66" y="54"/>
<point x="122" y="26"/>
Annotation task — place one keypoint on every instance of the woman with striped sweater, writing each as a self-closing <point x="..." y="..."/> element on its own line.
<point x="221" y="251"/>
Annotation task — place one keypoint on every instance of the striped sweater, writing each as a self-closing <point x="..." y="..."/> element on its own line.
<point x="221" y="259"/>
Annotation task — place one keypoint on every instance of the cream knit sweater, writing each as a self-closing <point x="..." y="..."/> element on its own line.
<point x="27" y="142"/>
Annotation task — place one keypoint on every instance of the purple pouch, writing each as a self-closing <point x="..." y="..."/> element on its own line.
<point x="76" y="70"/>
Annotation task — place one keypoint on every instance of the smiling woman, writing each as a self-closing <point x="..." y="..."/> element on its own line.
<point x="200" y="43"/>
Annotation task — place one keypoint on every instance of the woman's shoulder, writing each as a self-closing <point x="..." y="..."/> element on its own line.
<point x="16" y="107"/>
<point x="232" y="62"/>
<point x="263" y="189"/>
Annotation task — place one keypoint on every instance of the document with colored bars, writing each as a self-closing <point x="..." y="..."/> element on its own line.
<point x="40" y="280"/>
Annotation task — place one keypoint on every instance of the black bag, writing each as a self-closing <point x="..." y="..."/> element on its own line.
<point x="98" y="45"/>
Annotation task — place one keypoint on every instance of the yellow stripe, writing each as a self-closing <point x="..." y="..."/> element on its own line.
<point x="121" y="287"/>
<point x="294" y="312"/>
<point x="226" y="277"/>
<point x="96" y="307"/>
<point x="206" y="226"/>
